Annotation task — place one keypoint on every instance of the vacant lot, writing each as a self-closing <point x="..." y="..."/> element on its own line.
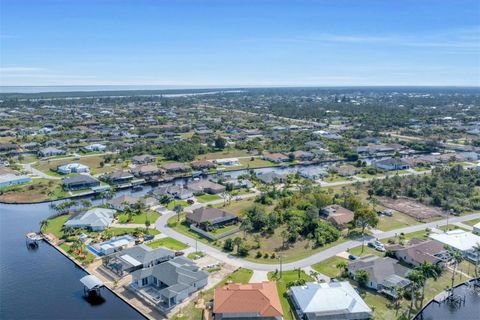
<point x="396" y="221"/>
<point x="412" y="208"/>
<point x="169" y="243"/>
<point x="37" y="190"/>
<point x="93" y="162"/>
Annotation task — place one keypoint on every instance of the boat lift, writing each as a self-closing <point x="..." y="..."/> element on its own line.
<point x="91" y="284"/>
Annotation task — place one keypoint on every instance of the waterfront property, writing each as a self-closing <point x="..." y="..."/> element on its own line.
<point x="114" y="244"/>
<point x="206" y="186"/>
<point x="460" y="240"/>
<point x="80" y="182"/>
<point x="391" y="164"/>
<point x="247" y="301"/>
<point x="135" y="258"/>
<point x="73" y="168"/>
<point x="209" y="217"/>
<point x="385" y="274"/>
<point x="169" y="283"/>
<point x="96" y="219"/>
<point x="118" y="177"/>
<point x="10" y="179"/>
<point x="334" y="300"/>
<point x="418" y="251"/>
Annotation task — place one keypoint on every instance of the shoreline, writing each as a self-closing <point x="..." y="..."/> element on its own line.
<point x="79" y="265"/>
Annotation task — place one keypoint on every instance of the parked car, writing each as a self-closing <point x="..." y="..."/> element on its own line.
<point x="190" y="201"/>
<point x="352" y="257"/>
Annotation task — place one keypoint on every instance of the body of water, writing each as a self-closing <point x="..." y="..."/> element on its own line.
<point x="42" y="283"/>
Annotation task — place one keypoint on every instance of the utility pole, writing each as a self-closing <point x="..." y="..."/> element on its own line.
<point x="280" y="258"/>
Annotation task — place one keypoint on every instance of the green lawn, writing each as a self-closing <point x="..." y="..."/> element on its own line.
<point x="190" y="312"/>
<point x="207" y="198"/>
<point x="122" y="231"/>
<point x="172" y="204"/>
<point x="329" y="267"/>
<point x="140" y="218"/>
<point x="472" y="222"/>
<point x="169" y="243"/>
<point x="357" y="251"/>
<point x="55" y="225"/>
<point x="396" y="221"/>
<point x="82" y="259"/>
<point x="218" y="231"/>
<point x="287" y="276"/>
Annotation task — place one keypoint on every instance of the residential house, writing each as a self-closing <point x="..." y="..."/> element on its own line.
<point x="391" y="164"/>
<point x="300" y="155"/>
<point x="337" y="215"/>
<point x="114" y="244"/>
<point x="11" y="179"/>
<point x="50" y="152"/>
<point x="418" y="251"/>
<point x="346" y="171"/>
<point x="73" y="168"/>
<point x="271" y="177"/>
<point x="175" y="167"/>
<point x="135" y="258"/>
<point x="460" y="240"/>
<point x="247" y="301"/>
<point x="169" y="283"/>
<point x="95" y="219"/>
<point x="385" y="274"/>
<point x="143" y="159"/>
<point x="476" y="228"/>
<point x="227" y="162"/>
<point x="202" y="165"/>
<point x="147" y="170"/>
<point x="173" y="191"/>
<point x="276" y="157"/>
<point x="118" y="177"/>
<point x="95" y="147"/>
<point x="325" y="301"/>
<point x="209" y="217"/>
<point x="80" y="182"/>
<point x="205" y="186"/>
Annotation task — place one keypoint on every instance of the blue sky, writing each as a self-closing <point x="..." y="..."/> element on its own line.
<point x="240" y="43"/>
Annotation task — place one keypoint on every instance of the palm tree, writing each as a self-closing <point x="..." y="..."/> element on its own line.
<point x="457" y="257"/>
<point x="43" y="224"/>
<point x="399" y="297"/>
<point x="178" y="208"/>
<point x="417" y="279"/>
<point x="476" y="251"/>
<point x="342" y="266"/>
<point x="428" y="270"/>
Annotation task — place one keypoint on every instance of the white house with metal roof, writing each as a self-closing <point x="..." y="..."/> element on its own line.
<point x="460" y="240"/>
<point x="95" y="219"/>
<point x="334" y="300"/>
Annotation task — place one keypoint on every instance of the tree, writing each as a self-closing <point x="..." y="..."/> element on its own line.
<point x="220" y="142"/>
<point x="365" y="217"/>
<point x="284" y="234"/>
<point x="417" y="279"/>
<point x="342" y="266"/>
<point x="43" y="224"/>
<point x="457" y="257"/>
<point x="476" y="251"/>
<point x="362" y="277"/>
<point x="428" y="270"/>
<point x="228" y="244"/>
<point x="178" y="208"/>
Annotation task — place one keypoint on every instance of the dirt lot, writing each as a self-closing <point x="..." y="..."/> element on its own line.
<point x="412" y="208"/>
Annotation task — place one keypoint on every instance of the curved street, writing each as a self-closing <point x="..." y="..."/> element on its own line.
<point x="161" y="225"/>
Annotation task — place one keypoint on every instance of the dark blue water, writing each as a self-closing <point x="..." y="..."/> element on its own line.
<point x="42" y="283"/>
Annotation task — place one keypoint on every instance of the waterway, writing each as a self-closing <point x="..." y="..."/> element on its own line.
<point x="42" y="283"/>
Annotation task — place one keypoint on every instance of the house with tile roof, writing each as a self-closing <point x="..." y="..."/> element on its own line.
<point x="247" y="301"/>
<point x="418" y="251"/>
<point x="95" y="219"/>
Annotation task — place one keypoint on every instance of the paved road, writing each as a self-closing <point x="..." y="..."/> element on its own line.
<point x="29" y="167"/>
<point x="161" y="225"/>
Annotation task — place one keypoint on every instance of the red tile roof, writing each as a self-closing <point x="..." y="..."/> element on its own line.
<point x="260" y="298"/>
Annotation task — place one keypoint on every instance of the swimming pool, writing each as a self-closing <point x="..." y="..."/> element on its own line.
<point x="95" y="252"/>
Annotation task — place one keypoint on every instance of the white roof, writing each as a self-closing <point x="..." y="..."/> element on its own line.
<point x="332" y="298"/>
<point x="458" y="239"/>
<point x="477" y="226"/>
<point x="91" y="282"/>
<point x="134" y="262"/>
<point x="9" y="177"/>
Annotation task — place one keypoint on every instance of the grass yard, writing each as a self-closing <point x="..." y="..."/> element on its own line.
<point x="87" y="259"/>
<point x="191" y="312"/>
<point x="396" y="221"/>
<point x="335" y="178"/>
<point x="55" y="225"/>
<point x="37" y="190"/>
<point x="472" y="222"/>
<point x="357" y="251"/>
<point x="93" y="162"/>
<point x="172" y="204"/>
<point x="169" y="243"/>
<point x="329" y="267"/>
<point x="287" y="277"/>
<point x="237" y="207"/>
<point x="139" y="218"/>
<point x="207" y="198"/>
<point x="229" y="153"/>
